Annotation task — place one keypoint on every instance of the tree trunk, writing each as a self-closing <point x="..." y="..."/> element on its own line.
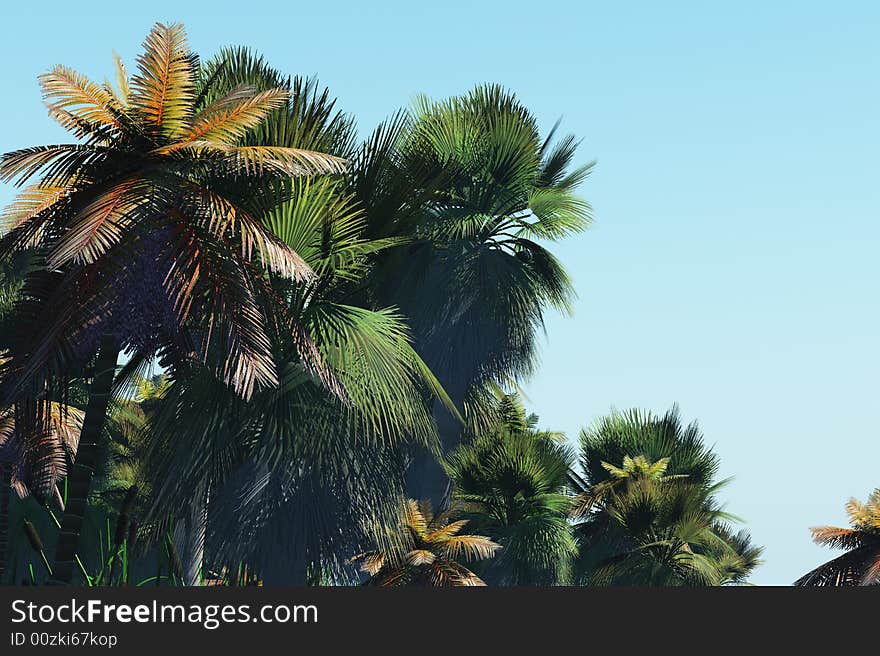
<point x="5" y="492"/>
<point x="425" y="477"/>
<point x="80" y="473"/>
<point x="196" y="530"/>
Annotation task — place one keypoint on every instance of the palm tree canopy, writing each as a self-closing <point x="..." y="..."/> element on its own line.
<point x="860" y="565"/>
<point x="510" y="482"/>
<point x="646" y="512"/>
<point x="427" y="550"/>
<point x="143" y="227"/>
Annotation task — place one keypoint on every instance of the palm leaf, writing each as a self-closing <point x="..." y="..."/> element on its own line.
<point x="79" y="104"/>
<point x="163" y="89"/>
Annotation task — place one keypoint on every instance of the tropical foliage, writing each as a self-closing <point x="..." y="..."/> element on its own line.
<point x="511" y="482"/>
<point x="646" y="508"/>
<point x="426" y="551"/>
<point x="238" y="346"/>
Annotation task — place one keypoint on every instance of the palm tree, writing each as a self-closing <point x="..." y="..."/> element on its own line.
<point x="510" y="481"/>
<point x="474" y="189"/>
<point x="645" y="510"/>
<point x="147" y="240"/>
<point x="290" y="481"/>
<point x="426" y="552"/>
<point x="860" y="565"/>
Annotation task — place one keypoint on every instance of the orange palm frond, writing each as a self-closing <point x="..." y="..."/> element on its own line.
<point x="229" y="118"/>
<point x="445" y="532"/>
<point x="70" y="95"/>
<point x="221" y="215"/>
<point x="100" y="224"/>
<point x="838" y="538"/>
<point x="163" y="89"/>
<point x="258" y="160"/>
<point x="31" y="201"/>
<point x="373" y="561"/>
<point x="231" y="316"/>
<point x="418" y="557"/>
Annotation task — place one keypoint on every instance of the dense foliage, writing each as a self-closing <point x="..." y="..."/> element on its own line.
<point x="241" y="347"/>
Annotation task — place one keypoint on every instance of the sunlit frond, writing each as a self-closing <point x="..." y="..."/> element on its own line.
<point x="80" y="105"/>
<point x="230" y="117"/>
<point x="163" y="89"/>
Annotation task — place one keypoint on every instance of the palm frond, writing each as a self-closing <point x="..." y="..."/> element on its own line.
<point x="163" y="89"/>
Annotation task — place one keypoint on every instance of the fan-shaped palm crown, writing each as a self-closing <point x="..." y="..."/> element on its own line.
<point x="646" y="512"/>
<point x="510" y="481"/>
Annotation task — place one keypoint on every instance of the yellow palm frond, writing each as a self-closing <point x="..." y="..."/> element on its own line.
<point x="123" y="89"/>
<point x="443" y="533"/>
<point x="863" y="515"/>
<point x="28" y="203"/>
<point x="657" y="469"/>
<point x="77" y="103"/>
<point x="470" y="547"/>
<point x="615" y="471"/>
<point x="65" y="424"/>
<point x="163" y="89"/>
<point x="418" y="557"/>
<point x="415" y="519"/>
<point x="259" y="160"/>
<point x="229" y="119"/>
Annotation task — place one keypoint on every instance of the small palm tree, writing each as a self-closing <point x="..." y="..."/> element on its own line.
<point x="510" y="481"/>
<point x="655" y="533"/>
<point x="426" y="552"/>
<point x="860" y="565"/>
<point x="646" y="512"/>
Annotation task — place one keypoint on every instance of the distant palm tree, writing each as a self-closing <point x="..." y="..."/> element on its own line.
<point x="860" y="565"/>
<point x="645" y="510"/>
<point x="149" y="240"/>
<point x="426" y="552"/>
<point x="510" y="481"/>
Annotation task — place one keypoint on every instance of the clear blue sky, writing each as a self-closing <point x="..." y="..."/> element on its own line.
<point x="733" y="266"/>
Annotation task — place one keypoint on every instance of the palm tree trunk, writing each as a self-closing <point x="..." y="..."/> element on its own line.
<point x="425" y="476"/>
<point x="5" y="491"/>
<point x="79" y="476"/>
<point x="196" y="530"/>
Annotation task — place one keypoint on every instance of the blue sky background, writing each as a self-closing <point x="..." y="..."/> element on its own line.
<point x="733" y="266"/>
